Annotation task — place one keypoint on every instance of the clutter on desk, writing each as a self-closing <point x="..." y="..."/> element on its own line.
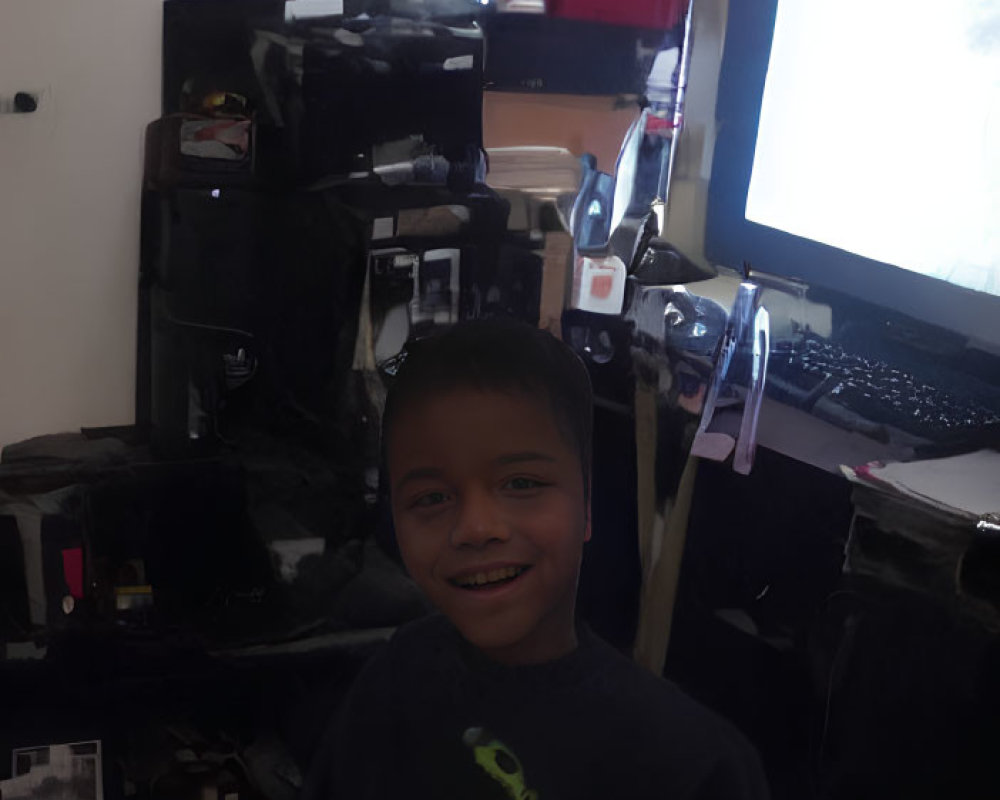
<point x="230" y="551"/>
<point x="931" y="527"/>
<point x="966" y="485"/>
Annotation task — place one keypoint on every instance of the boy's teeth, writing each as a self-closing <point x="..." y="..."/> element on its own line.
<point x="494" y="575"/>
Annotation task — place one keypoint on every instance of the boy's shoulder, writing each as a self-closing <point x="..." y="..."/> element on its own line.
<point x="422" y="641"/>
<point x="434" y="627"/>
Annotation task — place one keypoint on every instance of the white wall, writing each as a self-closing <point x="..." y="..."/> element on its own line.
<point x="69" y="208"/>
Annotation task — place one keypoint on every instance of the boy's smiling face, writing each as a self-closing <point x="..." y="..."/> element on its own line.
<point x="491" y="516"/>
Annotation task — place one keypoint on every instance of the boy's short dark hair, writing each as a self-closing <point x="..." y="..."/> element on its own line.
<point x="499" y="354"/>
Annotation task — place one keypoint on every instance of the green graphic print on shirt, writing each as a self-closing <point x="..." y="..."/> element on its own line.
<point x="499" y="762"/>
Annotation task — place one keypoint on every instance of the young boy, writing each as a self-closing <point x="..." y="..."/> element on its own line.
<point x="486" y="435"/>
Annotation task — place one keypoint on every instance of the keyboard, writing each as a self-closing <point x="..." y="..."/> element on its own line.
<point x="811" y="370"/>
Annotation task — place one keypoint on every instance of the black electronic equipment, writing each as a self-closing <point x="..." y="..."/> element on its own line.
<point x="14" y="619"/>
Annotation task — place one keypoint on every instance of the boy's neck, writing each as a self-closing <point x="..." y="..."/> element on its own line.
<point x="522" y="655"/>
<point x="557" y="638"/>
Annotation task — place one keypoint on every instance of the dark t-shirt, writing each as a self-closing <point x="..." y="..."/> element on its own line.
<point x="432" y="717"/>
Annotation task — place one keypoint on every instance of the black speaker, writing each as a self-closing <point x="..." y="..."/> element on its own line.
<point x="14" y="618"/>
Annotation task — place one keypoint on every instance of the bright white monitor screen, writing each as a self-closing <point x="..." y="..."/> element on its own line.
<point x="880" y="133"/>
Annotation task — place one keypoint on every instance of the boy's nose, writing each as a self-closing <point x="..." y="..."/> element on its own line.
<point x="479" y="521"/>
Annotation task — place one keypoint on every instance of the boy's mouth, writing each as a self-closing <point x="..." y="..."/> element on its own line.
<point x="488" y="579"/>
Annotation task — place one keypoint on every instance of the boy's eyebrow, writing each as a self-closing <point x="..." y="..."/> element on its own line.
<point x="528" y="455"/>
<point x="419" y="473"/>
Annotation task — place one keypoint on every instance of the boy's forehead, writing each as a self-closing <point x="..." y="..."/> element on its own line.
<point x="488" y="400"/>
<point x="430" y="413"/>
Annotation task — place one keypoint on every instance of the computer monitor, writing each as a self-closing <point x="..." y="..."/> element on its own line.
<point x="856" y="150"/>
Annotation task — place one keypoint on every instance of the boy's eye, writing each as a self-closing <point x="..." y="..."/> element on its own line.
<point x="430" y="499"/>
<point x="523" y="484"/>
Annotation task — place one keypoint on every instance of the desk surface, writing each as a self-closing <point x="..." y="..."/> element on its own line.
<point x="802" y="436"/>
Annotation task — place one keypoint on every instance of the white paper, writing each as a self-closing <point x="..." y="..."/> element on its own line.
<point x="969" y="483"/>
<point x="602" y="284"/>
<point x="304" y="9"/>
<point x="458" y="63"/>
<point x="383" y="228"/>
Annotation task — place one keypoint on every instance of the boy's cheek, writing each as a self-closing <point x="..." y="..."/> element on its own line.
<point x="418" y="547"/>
<point x="420" y="530"/>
